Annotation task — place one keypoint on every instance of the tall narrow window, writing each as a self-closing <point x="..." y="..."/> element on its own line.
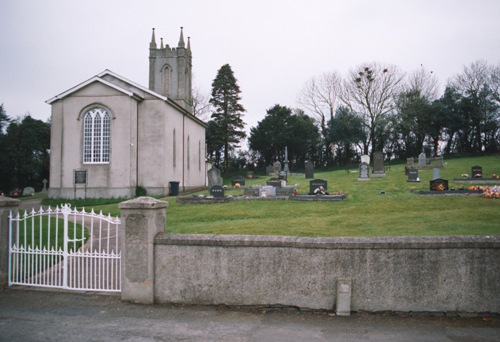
<point x="188" y="154"/>
<point x="96" y="136"/>
<point x="173" y="150"/>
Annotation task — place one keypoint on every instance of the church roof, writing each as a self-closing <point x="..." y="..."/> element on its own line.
<point x="101" y="79"/>
<point x="124" y="85"/>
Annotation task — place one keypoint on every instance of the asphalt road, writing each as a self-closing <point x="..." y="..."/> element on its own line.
<point x="40" y="315"/>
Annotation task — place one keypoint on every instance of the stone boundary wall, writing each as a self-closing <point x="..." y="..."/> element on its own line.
<point x="419" y="274"/>
<point x="405" y="274"/>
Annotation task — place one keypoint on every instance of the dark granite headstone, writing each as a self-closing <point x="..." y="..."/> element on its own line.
<point x="413" y="175"/>
<point x="274" y="182"/>
<point x="477" y="172"/>
<point x="309" y="169"/>
<point x="217" y="191"/>
<point x="269" y="170"/>
<point x="438" y="184"/>
<point x="282" y="175"/>
<point x="316" y="184"/>
<point x="238" y="180"/>
<point x="378" y="162"/>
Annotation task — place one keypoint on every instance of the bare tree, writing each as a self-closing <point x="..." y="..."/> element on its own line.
<point x="202" y="108"/>
<point x="424" y="83"/>
<point x="319" y="96"/>
<point x="370" y="91"/>
<point x="479" y="85"/>
<point x="472" y="79"/>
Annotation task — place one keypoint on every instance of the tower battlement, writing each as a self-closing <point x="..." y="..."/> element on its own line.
<point x="170" y="70"/>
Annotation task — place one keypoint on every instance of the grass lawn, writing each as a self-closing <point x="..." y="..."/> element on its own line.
<point x="366" y="212"/>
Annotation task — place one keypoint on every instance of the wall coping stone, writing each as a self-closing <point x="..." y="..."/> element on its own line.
<point x="390" y="242"/>
<point x="9" y="202"/>
<point x="143" y="202"/>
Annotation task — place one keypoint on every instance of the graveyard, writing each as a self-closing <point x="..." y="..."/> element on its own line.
<point x="383" y="206"/>
<point x="390" y="205"/>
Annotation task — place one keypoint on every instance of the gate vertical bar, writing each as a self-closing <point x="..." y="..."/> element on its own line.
<point x="65" y="211"/>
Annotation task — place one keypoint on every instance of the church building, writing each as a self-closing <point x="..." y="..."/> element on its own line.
<point x="110" y="135"/>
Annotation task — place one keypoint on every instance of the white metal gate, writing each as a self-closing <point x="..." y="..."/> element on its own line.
<point x="65" y="248"/>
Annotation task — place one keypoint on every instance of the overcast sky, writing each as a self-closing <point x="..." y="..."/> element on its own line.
<point x="273" y="47"/>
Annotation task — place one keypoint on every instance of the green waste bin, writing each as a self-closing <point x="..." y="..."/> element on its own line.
<point x="174" y="188"/>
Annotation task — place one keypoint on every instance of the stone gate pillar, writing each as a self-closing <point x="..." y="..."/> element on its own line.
<point x="6" y="205"/>
<point x="142" y="218"/>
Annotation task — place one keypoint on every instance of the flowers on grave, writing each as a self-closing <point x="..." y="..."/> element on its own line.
<point x="478" y="175"/>
<point x="237" y="185"/>
<point x="464" y="175"/>
<point x="475" y="187"/>
<point x="495" y="176"/>
<point x="440" y="187"/>
<point x="493" y="192"/>
<point x="296" y="192"/>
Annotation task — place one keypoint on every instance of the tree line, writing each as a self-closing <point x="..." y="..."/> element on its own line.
<point x="25" y="152"/>
<point x="376" y="107"/>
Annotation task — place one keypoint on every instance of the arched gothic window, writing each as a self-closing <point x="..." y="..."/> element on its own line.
<point x="96" y="136"/>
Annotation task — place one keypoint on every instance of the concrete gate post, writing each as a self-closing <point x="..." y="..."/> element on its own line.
<point x="6" y="205"/>
<point x="142" y="218"/>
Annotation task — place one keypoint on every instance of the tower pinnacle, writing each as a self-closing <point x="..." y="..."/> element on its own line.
<point x="152" y="45"/>
<point x="181" y="40"/>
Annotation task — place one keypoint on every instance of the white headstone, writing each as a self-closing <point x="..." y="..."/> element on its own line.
<point x="365" y="159"/>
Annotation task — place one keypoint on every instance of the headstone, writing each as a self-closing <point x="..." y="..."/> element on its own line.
<point x="238" y="181"/>
<point x="317" y="185"/>
<point x="28" y="191"/>
<point x="309" y="169"/>
<point x="413" y="175"/>
<point x="439" y="161"/>
<point x="44" y="190"/>
<point x="438" y="184"/>
<point x="253" y="191"/>
<point x="365" y="159"/>
<point x="422" y="160"/>
<point x="274" y="182"/>
<point x="285" y="167"/>
<point x="267" y="191"/>
<point x="364" y="171"/>
<point x="217" y="191"/>
<point x="378" y="164"/>
<point x="409" y="161"/>
<point x="214" y="177"/>
<point x="269" y="170"/>
<point x="435" y="173"/>
<point x="285" y="191"/>
<point x="477" y="172"/>
<point x="276" y="167"/>
<point x="282" y="175"/>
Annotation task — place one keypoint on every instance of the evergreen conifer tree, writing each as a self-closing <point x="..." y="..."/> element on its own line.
<point x="228" y="124"/>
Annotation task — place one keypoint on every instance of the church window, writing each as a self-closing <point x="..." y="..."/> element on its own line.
<point x="96" y="136"/>
<point x="173" y="150"/>
<point x="188" y="153"/>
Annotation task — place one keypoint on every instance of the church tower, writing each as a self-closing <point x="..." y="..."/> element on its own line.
<point x="170" y="71"/>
